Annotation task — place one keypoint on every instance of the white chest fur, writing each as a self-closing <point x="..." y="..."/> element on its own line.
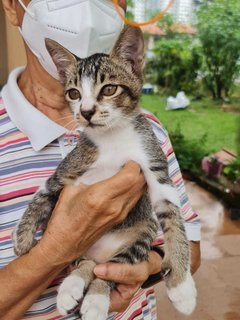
<point x="115" y="149"/>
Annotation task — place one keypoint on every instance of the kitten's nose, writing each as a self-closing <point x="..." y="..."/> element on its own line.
<point x="87" y="114"/>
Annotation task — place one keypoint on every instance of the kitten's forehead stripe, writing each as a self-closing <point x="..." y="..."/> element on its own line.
<point x="102" y="77"/>
<point x="90" y="66"/>
<point x="76" y="80"/>
<point x="112" y="77"/>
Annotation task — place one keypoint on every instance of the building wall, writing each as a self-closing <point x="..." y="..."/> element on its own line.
<point x="12" y="52"/>
<point x="139" y="10"/>
<point x="182" y="10"/>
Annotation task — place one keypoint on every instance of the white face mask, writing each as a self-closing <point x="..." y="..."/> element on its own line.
<point x="84" y="27"/>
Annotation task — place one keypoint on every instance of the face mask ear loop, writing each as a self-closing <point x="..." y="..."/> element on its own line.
<point x="26" y="9"/>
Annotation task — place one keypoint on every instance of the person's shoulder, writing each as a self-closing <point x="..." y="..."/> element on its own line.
<point x="157" y="126"/>
<point x="5" y="121"/>
<point x="2" y="107"/>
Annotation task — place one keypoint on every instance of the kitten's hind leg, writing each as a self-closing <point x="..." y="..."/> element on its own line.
<point x="73" y="287"/>
<point x="37" y="214"/>
<point x="96" y="303"/>
<point x="176" y="266"/>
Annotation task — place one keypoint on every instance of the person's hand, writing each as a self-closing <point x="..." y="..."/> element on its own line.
<point x="129" y="279"/>
<point x="84" y="213"/>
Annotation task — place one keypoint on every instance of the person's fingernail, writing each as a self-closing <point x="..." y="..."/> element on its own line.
<point x="100" y="270"/>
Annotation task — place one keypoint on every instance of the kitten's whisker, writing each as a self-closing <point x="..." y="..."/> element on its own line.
<point x="64" y="118"/>
<point x="74" y="127"/>
<point x="75" y="124"/>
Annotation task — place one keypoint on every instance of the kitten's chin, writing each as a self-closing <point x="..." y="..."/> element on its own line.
<point x="94" y="125"/>
<point x="94" y="129"/>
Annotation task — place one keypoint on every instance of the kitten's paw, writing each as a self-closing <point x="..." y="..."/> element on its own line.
<point x="69" y="294"/>
<point x="184" y="295"/>
<point x="23" y="241"/>
<point x="95" y="307"/>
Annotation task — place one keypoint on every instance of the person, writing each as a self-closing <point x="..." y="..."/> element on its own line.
<point x="35" y="134"/>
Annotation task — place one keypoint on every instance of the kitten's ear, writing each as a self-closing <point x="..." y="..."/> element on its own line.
<point x="129" y="48"/>
<point x="63" y="59"/>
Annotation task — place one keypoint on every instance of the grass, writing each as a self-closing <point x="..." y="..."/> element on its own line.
<point x="201" y="117"/>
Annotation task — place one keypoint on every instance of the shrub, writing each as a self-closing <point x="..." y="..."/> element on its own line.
<point x="219" y="33"/>
<point x="175" y="65"/>
<point x="188" y="152"/>
<point x="232" y="171"/>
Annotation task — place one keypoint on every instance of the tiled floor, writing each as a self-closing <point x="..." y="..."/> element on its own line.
<point x="218" y="279"/>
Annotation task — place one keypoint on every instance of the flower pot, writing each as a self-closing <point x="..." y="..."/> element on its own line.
<point x="212" y="167"/>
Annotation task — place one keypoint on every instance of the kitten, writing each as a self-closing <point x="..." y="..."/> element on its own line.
<point x="103" y="92"/>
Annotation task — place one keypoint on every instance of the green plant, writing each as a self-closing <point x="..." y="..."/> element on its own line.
<point x="232" y="171"/>
<point x="176" y="61"/>
<point x="189" y="152"/>
<point x="202" y="116"/>
<point x="175" y="64"/>
<point x="219" y="33"/>
<point x="129" y="13"/>
<point x="238" y="136"/>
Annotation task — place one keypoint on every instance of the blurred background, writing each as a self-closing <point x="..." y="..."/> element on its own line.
<point x="192" y="84"/>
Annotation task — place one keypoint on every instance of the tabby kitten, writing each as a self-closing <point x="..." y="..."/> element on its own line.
<point x="103" y="92"/>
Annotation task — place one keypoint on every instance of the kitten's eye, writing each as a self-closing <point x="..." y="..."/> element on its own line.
<point x="74" y="94"/>
<point x="109" y="90"/>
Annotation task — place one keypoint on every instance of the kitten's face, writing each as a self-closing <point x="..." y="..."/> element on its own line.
<point x="103" y="91"/>
<point x="102" y="94"/>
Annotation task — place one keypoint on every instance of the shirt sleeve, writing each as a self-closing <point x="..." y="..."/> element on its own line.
<point x="190" y="217"/>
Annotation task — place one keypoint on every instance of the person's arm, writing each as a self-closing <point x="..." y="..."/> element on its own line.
<point x="81" y="216"/>
<point x="22" y="281"/>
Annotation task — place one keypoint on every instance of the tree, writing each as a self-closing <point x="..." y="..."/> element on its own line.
<point x="129" y="13"/>
<point x="219" y="33"/>
<point x="176" y="61"/>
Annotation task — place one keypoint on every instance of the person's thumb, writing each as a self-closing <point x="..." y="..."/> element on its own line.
<point x="119" y="273"/>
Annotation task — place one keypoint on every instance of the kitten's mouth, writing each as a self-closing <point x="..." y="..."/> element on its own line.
<point x="93" y="125"/>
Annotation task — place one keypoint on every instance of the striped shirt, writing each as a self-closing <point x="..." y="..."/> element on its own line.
<point x="31" y="147"/>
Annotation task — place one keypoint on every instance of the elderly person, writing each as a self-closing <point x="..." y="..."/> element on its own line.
<point x="35" y="135"/>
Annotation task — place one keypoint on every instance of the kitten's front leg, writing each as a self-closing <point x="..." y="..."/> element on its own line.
<point x="73" y="286"/>
<point x="36" y="215"/>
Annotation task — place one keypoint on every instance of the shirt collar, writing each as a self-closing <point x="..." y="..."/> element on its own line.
<point x="39" y="129"/>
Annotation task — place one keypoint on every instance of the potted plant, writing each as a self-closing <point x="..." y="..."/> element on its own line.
<point x="212" y="166"/>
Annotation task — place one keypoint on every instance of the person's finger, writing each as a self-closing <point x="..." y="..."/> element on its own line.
<point x="123" y="273"/>
<point x="117" y="303"/>
<point x="127" y="291"/>
<point x="124" y="180"/>
<point x="121" y="297"/>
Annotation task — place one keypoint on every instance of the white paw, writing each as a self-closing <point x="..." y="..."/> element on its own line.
<point x="95" y="307"/>
<point x="184" y="295"/>
<point x="69" y="294"/>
